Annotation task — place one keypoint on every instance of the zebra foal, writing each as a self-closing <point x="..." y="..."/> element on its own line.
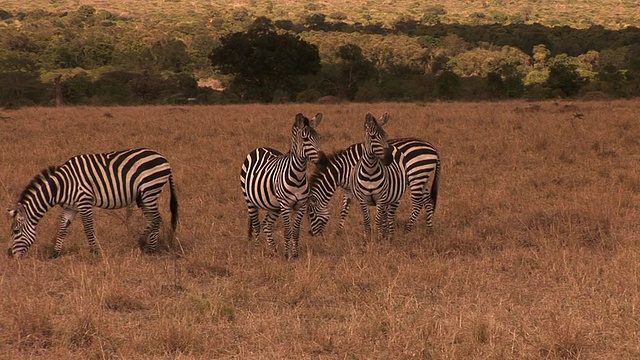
<point x="109" y="181"/>
<point x="379" y="178"/>
<point x="277" y="183"/>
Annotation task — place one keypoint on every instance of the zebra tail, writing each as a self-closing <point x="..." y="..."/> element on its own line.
<point x="435" y="185"/>
<point x="173" y="204"/>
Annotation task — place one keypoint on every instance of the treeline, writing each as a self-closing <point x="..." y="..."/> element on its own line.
<point x="92" y="56"/>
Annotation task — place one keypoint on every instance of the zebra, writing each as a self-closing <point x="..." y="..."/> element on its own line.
<point x="110" y="180"/>
<point x="277" y="183"/>
<point x="421" y="158"/>
<point x="379" y="178"/>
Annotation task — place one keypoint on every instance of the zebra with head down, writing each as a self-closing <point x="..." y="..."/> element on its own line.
<point x="109" y="180"/>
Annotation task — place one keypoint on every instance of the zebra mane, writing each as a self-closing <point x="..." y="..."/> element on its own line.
<point x="321" y="169"/>
<point x="41" y="178"/>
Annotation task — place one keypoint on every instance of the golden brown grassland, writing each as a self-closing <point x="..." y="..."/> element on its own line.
<point x="534" y="254"/>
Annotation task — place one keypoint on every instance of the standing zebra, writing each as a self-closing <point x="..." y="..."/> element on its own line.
<point x="278" y="183"/>
<point x="379" y="178"/>
<point x="420" y="159"/>
<point x="110" y="181"/>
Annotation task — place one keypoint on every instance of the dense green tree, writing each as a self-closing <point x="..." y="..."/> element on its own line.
<point x="96" y="52"/>
<point x="22" y="88"/>
<point x="77" y="89"/>
<point x="263" y="61"/>
<point x="181" y="85"/>
<point x="565" y="78"/>
<point x="615" y="79"/>
<point x="171" y="55"/>
<point x="112" y="88"/>
<point x="353" y="70"/>
<point x="448" y="84"/>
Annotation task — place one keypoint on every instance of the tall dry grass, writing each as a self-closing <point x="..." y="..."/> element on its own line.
<point x="534" y="253"/>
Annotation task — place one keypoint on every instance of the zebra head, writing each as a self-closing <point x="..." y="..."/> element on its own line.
<point x="306" y="141"/>
<point x="23" y="231"/>
<point x="318" y="215"/>
<point x="375" y="138"/>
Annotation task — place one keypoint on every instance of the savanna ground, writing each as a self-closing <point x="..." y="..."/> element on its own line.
<point x="534" y="253"/>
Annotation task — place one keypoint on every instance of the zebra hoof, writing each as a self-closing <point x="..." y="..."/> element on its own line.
<point x="55" y="254"/>
<point x="148" y="250"/>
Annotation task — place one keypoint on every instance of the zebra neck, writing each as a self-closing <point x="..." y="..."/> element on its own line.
<point x="323" y="189"/>
<point x="298" y="165"/>
<point x="37" y="207"/>
<point x="370" y="160"/>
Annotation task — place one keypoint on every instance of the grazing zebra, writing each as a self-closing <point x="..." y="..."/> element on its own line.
<point x="420" y="160"/>
<point x="379" y="178"/>
<point x="110" y="181"/>
<point x="277" y="183"/>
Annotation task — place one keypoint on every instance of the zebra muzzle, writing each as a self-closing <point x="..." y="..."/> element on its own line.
<point x="322" y="160"/>
<point x="388" y="157"/>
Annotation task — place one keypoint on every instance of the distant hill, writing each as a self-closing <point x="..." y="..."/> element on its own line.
<point x="577" y="14"/>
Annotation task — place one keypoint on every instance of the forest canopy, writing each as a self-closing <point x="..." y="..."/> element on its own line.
<point x="103" y="56"/>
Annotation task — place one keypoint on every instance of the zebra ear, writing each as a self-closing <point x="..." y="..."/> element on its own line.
<point x="12" y="212"/>
<point x="384" y="119"/>
<point x="19" y="212"/>
<point x="299" y="120"/>
<point x="369" y="119"/>
<point x="316" y="120"/>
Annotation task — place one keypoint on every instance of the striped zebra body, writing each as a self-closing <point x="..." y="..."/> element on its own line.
<point x="421" y="159"/>
<point x="379" y="179"/>
<point x="109" y="180"/>
<point x="278" y="183"/>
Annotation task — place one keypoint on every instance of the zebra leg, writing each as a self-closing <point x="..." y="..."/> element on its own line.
<point x="254" y="224"/>
<point x="152" y="214"/>
<point x="286" y="218"/>
<point x="67" y="217"/>
<point x="367" y="221"/>
<point x="86" y="215"/>
<point x="417" y="202"/>
<point x="346" y="201"/>
<point x="391" y="218"/>
<point x="267" y="224"/>
<point x="428" y="205"/>
<point x="381" y="221"/>
<point x="295" y="231"/>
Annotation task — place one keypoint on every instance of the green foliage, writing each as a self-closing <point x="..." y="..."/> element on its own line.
<point x="113" y="88"/>
<point x="565" y="79"/>
<point x="264" y="61"/>
<point x="348" y="72"/>
<point x="448" y="85"/>
<point x="78" y="89"/>
<point x="22" y="88"/>
<point x="171" y="55"/>
<point x="396" y="47"/>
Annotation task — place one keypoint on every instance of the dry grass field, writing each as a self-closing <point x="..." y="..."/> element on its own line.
<point x="534" y="254"/>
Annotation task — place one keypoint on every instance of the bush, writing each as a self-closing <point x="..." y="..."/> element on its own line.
<point x="77" y="89"/>
<point x="21" y="88"/>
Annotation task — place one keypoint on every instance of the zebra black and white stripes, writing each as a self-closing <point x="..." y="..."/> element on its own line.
<point x="109" y="180"/>
<point x="379" y="178"/>
<point x="421" y="160"/>
<point x="278" y="183"/>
